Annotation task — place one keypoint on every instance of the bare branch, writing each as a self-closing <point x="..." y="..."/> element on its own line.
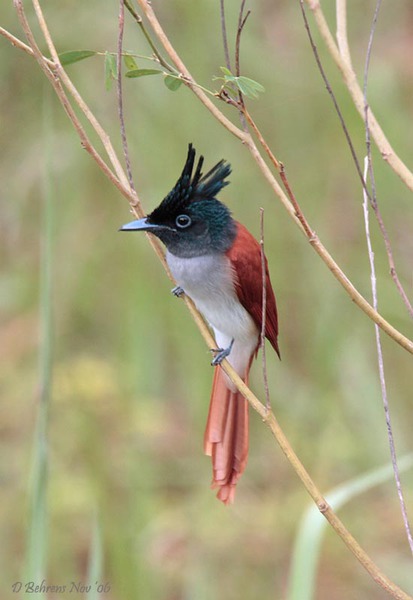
<point x="342" y="39"/>
<point x="368" y="169"/>
<point x="120" y="95"/>
<point x="224" y="34"/>
<point x="157" y="55"/>
<point x="22" y="46"/>
<point x="241" y="22"/>
<point x="334" y="99"/>
<point x="373" y="198"/>
<point x="383" y="386"/>
<point x="264" y="313"/>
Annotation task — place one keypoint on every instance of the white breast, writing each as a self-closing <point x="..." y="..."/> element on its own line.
<point x="208" y="280"/>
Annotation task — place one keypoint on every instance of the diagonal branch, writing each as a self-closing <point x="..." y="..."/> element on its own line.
<point x="22" y="46"/>
<point x="138" y="19"/>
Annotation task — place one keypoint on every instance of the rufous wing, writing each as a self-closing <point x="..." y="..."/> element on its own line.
<point x="245" y="257"/>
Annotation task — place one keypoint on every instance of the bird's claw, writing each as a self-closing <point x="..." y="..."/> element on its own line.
<point x="221" y="353"/>
<point x="177" y="291"/>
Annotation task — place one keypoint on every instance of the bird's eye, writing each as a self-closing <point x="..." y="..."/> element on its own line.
<point x="183" y="221"/>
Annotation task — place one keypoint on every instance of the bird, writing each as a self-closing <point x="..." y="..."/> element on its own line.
<point x="217" y="262"/>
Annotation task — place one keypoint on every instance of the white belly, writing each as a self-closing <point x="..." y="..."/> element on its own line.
<point x="208" y="281"/>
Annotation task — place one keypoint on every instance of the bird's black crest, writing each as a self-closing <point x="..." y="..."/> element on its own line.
<point x="192" y="187"/>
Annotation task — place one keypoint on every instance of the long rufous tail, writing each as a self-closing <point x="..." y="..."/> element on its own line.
<point x="226" y="437"/>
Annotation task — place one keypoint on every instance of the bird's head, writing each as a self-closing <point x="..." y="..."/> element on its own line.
<point x="190" y="221"/>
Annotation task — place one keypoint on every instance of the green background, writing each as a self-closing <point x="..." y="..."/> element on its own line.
<point x="130" y="372"/>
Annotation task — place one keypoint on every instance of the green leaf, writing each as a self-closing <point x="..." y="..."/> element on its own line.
<point x="227" y="73"/>
<point x="111" y="70"/>
<point x="72" y="56"/>
<point x="172" y="83"/>
<point x="249" y="87"/>
<point x="142" y="72"/>
<point x="130" y="62"/>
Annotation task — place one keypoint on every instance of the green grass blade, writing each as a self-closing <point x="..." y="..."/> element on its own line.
<point x="307" y="546"/>
<point x="37" y="530"/>
<point x="95" y="567"/>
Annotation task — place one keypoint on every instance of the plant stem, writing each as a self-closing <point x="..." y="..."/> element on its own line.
<point x="37" y="534"/>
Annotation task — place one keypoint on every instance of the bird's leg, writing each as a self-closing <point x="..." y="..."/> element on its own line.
<point x="221" y="354"/>
<point x="177" y="291"/>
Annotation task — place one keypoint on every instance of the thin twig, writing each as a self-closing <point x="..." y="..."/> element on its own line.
<point x="386" y="406"/>
<point x="350" y="80"/>
<point x="279" y="166"/>
<point x="333" y="98"/>
<point x="373" y="200"/>
<point x="264" y="313"/>
<point x="241" y="22"/>
<point x="120" y="95"/>
<point x="22" y="46"/>
<point x="158" y="56"/>
<point x="368" y="168"/>
<point x="224" y="35"/>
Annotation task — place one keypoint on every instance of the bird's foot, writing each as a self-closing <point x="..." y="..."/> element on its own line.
<point x="221" y="353"/>
<point x="177" y="291"/>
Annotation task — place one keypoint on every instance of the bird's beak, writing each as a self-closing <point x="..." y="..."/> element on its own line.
<point x="140" y="225"/>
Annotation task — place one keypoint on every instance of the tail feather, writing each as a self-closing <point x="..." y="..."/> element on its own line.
<point x="226" y="437"/>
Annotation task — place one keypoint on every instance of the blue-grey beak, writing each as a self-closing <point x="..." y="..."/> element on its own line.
<point x="140" y="225"/>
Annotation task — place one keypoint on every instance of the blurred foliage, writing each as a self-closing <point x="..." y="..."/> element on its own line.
<point x="131" y="375"/>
